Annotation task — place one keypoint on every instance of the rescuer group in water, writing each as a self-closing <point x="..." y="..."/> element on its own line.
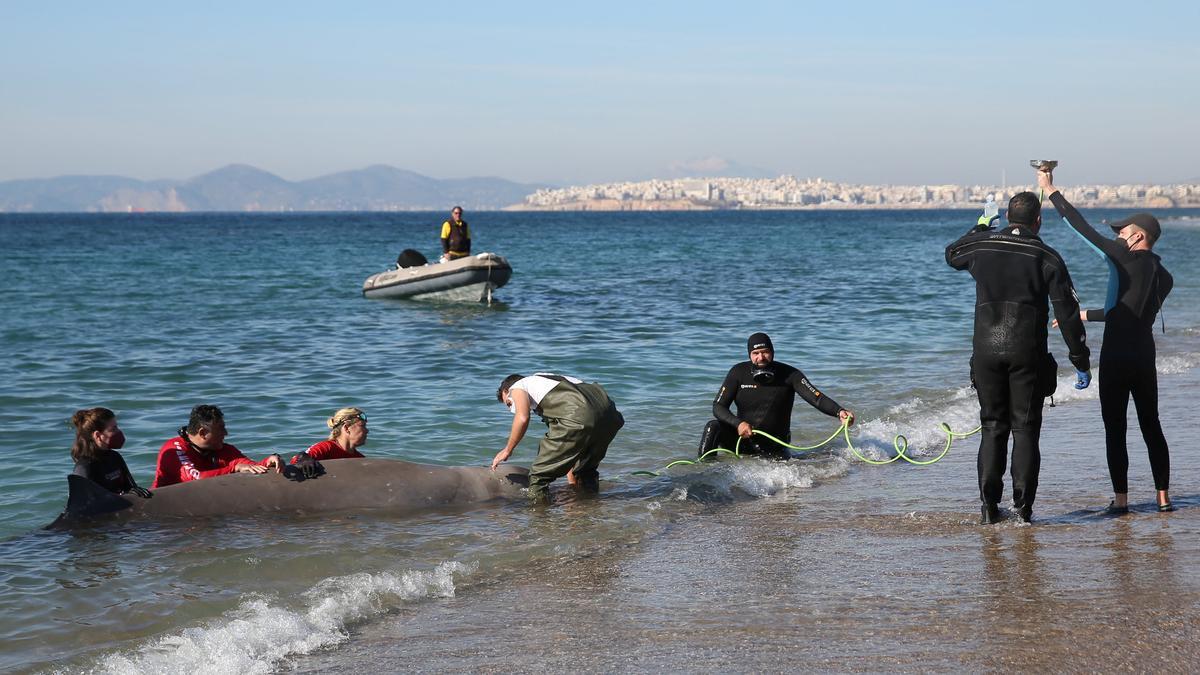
<point x="1018" y="279"/>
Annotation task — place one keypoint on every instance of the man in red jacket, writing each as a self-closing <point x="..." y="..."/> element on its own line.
<point x="200" y="451"/>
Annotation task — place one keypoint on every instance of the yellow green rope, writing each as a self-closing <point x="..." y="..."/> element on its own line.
<point x="900" y="443"/>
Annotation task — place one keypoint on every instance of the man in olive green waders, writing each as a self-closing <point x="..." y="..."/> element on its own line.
<point x="582" y="421"/>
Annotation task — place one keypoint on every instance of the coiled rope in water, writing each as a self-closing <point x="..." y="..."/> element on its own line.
<point x="900" y="443"/>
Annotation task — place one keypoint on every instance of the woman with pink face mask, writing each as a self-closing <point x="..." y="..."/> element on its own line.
<point x="97" y="438"/>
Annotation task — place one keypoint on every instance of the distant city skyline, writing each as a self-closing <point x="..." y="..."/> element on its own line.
<point x="860" y="92"/>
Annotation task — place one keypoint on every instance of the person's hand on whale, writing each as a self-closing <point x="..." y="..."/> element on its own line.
<point x="501" y="457"/>
<point x="302" y="467"/>
<point x="272" y="462"/>
<point x="308" y="465"/>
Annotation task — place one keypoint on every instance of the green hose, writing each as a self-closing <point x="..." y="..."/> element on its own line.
<point x="900" y="443"/>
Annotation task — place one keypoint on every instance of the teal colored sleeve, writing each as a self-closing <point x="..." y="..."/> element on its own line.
<point x="1080" y="227"/>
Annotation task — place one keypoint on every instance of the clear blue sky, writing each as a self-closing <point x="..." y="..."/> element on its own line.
<point x="878" y="92"/>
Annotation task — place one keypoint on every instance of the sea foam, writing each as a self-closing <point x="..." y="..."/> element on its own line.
<point x="260" y="634"/>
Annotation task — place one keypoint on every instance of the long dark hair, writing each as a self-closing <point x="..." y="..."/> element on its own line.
<point x="87" y="422"/>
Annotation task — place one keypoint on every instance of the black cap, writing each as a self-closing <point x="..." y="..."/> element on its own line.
<point x="759" y="341"/>
<point x="1143" y="220"/>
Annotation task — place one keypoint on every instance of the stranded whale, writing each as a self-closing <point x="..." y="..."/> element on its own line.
<point x="348" y="484"/>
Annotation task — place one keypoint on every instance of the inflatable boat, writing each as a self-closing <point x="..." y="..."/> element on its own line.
<point x="469" y="279"/>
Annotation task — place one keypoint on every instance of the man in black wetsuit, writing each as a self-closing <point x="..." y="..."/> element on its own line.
<point x="1128" y="353"/>
<point x="1014" y="271"/>
<point x="763" y="391"/>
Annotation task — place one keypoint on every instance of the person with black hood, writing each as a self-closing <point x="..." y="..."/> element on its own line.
<point x="763" y="391"/>
<point x="1011" y="368"/>
<point x="1138" y="285"/>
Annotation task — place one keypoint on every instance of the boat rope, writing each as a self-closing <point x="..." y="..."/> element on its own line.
<point x="900" y="443"/>
<point x="489" y="280"/>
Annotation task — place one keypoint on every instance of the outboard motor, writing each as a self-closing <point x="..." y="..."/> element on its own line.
<point x="410" y="258"/>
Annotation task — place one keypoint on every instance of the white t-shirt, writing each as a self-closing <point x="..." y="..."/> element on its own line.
<point x="538" y="386"/>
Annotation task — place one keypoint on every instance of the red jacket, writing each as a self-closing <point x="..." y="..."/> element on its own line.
<point x="329" y="450"/>
<point x="179" y="462"/>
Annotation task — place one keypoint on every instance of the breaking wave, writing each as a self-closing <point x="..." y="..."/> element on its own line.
<point x="260" y="634"/>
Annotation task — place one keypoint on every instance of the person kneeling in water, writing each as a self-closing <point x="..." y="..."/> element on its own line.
<point x="763" y="390"/>
<point x="583" y="422"/>
<point x="97" y="439"/>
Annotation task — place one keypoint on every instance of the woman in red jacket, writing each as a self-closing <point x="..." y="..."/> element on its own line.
<point x="347" y="432"/>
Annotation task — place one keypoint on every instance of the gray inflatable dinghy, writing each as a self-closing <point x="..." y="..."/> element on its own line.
<point x="469" y="279"/>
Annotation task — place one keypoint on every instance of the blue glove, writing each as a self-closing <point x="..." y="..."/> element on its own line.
<point x="1082" y="379"/>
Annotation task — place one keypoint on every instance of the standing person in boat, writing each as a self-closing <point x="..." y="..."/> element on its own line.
<point x="1014" y="272"/>
<point x="456" y="236"/>
<point x="763" y="391"/>
<point x="582" y="422"/>
<point x="200" y="451"/>
<point x="97" y="439"/>
<point x="1128" y="353"/>
<point x="347" y="432"/>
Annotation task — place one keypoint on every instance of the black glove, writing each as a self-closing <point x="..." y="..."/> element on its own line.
<point x="303" y="467"/>
<point x="311" y="467"/>
<point x="141" y="492"/>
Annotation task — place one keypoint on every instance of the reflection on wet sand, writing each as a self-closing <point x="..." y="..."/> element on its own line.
<point x="787" y="583"/>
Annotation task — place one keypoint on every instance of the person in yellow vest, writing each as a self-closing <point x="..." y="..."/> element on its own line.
<point x="456" y="236"/>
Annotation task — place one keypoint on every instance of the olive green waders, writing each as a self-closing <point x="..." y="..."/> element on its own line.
<point x="582" y="421"/>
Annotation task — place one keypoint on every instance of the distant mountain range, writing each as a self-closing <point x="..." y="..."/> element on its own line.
<point x="238" y="187"/>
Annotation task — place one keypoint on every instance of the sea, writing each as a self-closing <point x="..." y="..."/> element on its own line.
<point x="825" y="562"/>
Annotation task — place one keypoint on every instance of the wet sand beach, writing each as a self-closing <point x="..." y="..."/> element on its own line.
<point x="884" y="569"/>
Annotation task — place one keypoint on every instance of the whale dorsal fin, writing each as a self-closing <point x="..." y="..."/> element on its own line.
<point x="86" y="499"/>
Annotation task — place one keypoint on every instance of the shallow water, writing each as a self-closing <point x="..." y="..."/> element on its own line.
<point x="824" y="563"/>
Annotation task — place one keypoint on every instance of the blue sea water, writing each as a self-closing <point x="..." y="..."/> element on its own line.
<point x="261" y="314"/>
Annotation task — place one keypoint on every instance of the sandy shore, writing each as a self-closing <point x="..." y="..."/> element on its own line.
<point x="883" y="569"/>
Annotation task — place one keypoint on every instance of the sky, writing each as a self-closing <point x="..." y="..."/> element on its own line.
<point x="571" y="93"/>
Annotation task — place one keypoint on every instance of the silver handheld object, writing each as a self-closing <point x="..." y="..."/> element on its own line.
<point x="1043" y="164"/>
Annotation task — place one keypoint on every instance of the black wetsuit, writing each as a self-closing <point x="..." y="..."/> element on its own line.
<point x="765" y="405"/>
<point x="108" y="470"/>
<point x="1127" y="355"/>
<point x="1014" y="272"/>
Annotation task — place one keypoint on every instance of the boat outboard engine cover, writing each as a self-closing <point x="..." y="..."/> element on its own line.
<point x="410" y="258"/>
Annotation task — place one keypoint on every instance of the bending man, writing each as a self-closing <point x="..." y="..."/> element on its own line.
<point x="1014" y="272"/>
<point x="763" y="391"/>
<point x="582" y="422"/>
<point x="1127" y="355"/>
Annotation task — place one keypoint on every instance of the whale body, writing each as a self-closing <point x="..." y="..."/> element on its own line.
<point x="387" y="485"/>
